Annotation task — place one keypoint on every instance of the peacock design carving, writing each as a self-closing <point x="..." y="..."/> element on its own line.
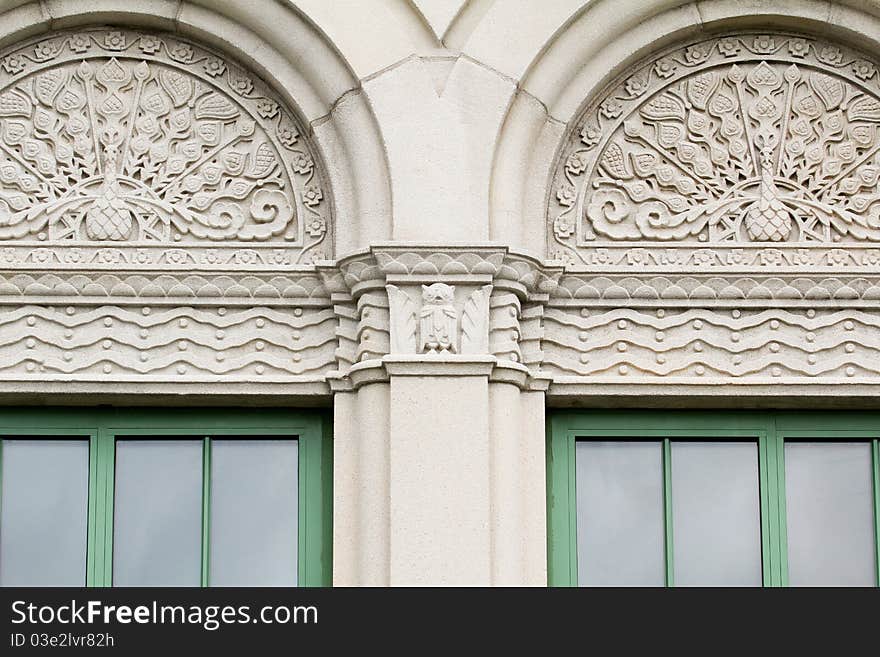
<point x="748" y="138"/>
<point x="122" y="136"/>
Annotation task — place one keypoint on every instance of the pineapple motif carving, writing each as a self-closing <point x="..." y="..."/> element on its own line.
<point x="109" y="216"/>
<point x="122" y="136"/>
<point x="735" y="140"/>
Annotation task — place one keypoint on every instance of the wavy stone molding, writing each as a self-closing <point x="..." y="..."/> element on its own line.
<point x="736" y="346"/>
<point x="334" y="326"/>
<point x="725" y="143"/>
<point x="107" y="343"/>
<point x="132" y="139"/>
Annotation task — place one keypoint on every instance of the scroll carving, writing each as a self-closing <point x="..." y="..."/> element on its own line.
<point x="128" y="138"/>
<point x="730" y="142"/>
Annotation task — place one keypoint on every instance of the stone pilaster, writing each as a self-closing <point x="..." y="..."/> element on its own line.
<point x="439" y="440"/>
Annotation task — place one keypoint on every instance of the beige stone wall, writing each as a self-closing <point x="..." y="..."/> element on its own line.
<point x="440" y="216"/>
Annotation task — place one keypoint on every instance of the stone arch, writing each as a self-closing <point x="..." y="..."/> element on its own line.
<point x="294" y="58"/>
<point x="591" y="48"/>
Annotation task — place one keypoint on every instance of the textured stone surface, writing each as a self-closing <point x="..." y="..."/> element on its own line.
<point x="124" y="137"/>
<point x="743" y="138"/>
<point x="439" y="215"/>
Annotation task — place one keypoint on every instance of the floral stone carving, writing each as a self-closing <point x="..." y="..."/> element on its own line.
<point x="731" y="141"/>
<point x="128" y="137"/>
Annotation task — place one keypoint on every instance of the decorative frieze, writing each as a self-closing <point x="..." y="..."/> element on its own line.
<point x="160" y="212"/>
<point x="724" y="258"/>
<point x="127" y="287"/>
<point x="179" y="344"/>
<point x="674" y="288"/>
<point x="343" y="322"/>
<point x="164" y="218"/>
<point x="733" y="346"/>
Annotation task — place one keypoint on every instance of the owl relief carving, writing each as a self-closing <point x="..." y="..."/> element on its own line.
<point x="438" y="319"/>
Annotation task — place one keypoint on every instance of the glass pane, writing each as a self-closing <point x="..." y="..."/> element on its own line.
<point x="254" y="513"/>
<point x="157" y="522"/>
<point x="44" y="512"/>
<point x="619" y="513"/>
<point x="830" y="514"/>
<point x="716" y="514"/>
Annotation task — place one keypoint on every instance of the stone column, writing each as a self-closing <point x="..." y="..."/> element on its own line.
<point x="439" y="448"/>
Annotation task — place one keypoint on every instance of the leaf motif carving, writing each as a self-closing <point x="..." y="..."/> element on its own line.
<point x="864" y="109"/>
<point x="14" y="103"/>
<point x="402" y="315"/>
<point x="613" y="161"/>
<point x="48" y="84"/>
<point x="829" y="90"/>
<point x="701" y="87"/>
<point x="215" y="106"/>
<point x="176" y="85"/>
<point x="666" y="106"/>
<point x="475" y="322"/>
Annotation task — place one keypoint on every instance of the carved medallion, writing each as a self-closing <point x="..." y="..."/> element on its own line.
<point x="116" y="137"/>
<point x="744" y="141"/>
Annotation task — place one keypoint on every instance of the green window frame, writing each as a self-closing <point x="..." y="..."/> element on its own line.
<point x="103" y="426"/>
<point x="771" y="431"/>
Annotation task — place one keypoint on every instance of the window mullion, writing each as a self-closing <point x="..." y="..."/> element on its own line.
<point x="314" y="549"/>
<point x="561" y="511"/>
<point x="667" y="511"/>
<point x="106" y="485"/>
<point x="94" y="521"/>
<point x="781" y="518"/>
<point x="206" y="510"/>
<point x="776" y="507"/>
<point x="767" y="543"/>
<point x="774" y="496"/>
<point x="570" y="519"/>
<point x="100" y="522"/>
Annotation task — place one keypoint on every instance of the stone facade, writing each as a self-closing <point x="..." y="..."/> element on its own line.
<point x="441" y="219"/>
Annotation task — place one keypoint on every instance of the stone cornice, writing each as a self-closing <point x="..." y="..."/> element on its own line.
<point x="381" y="370"/>
<point x="429" y="263"/>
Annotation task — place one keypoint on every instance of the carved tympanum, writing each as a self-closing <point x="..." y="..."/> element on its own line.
<point x="121" y="136"/>
<point x="740" y="139"/>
